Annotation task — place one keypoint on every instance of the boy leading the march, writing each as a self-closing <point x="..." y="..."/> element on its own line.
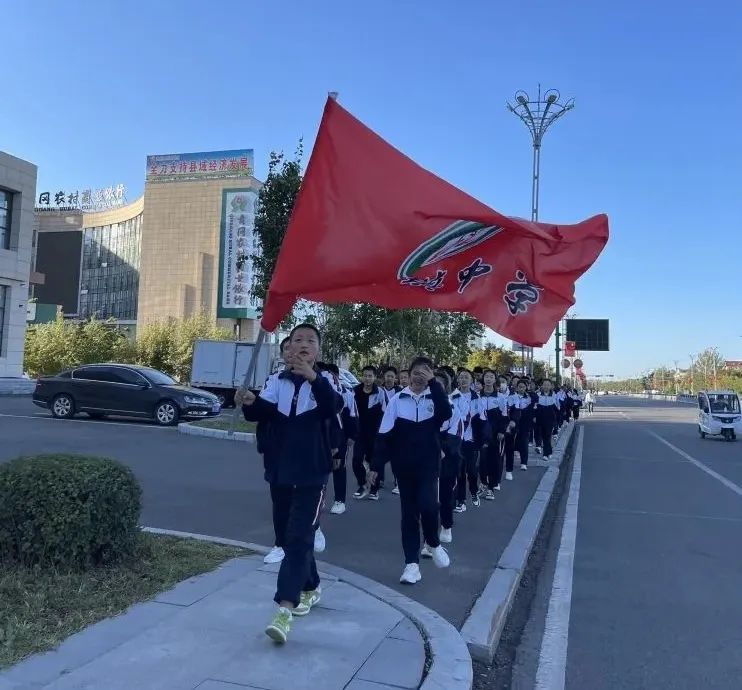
<point x="299" y="404"/>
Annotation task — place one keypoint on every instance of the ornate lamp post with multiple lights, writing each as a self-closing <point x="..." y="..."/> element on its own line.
<point x="538" y="115"/>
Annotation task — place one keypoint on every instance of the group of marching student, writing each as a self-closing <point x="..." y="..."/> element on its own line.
<point x="444" y="433"/>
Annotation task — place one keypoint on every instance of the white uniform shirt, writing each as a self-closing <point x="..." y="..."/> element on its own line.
<point x="465" y="409"/>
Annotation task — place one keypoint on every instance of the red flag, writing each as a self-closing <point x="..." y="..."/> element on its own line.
<point x="370" y="225"/>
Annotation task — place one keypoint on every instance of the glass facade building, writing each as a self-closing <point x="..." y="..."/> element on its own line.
<point x="109" y="276"/>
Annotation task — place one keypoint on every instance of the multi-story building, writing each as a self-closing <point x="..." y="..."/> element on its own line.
<point x="182" y="248"/>
<point x="17" y="193"/>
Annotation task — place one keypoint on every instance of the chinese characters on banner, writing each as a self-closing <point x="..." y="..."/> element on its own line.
<point x="238" y="244"/>
<point x="200" y="166"/>
<point x="85" y="200"/>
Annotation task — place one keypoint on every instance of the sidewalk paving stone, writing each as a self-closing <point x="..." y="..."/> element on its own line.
<point x="396" y="661"/>
<point x="210" y="635"/>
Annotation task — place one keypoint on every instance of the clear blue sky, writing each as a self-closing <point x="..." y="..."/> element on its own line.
<point x="89" y="89"/>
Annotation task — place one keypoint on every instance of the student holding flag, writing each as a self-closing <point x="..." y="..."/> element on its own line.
<point x="299" y="404"/>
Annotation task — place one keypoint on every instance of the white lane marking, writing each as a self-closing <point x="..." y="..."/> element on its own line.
<point x="701" y="466"/>
<point x="552" y="660"/>
<point x="652" y="513"/>
<point x="98" y="422"/>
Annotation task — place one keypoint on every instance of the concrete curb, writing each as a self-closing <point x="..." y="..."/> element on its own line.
<point x="450" y="664"/>
<point x="483" y="627"/>
<point x="193" y="430"/>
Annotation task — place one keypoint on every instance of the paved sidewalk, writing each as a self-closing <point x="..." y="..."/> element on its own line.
<point x="207" y="633"/>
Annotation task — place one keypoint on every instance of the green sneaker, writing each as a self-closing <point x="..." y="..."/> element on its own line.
<point x="308" y="599"/>
<point x="279" y="628"/>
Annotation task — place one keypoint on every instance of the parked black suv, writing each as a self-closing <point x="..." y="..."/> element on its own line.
<point x="122" y="390"/>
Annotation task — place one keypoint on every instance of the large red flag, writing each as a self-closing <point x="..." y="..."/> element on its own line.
<point x="370" y="225"/>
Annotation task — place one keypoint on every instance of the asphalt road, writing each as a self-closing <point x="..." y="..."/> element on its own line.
<point x="216" y="487"/>
<point x="656" y="582"/>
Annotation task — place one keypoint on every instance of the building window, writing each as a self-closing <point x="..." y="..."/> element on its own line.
<point x="110" y="262"/>
<point x="6" y="208"/>
<point x="4" y="290"/>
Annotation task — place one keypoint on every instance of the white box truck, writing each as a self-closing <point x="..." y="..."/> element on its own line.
<point x="219" y="366"/>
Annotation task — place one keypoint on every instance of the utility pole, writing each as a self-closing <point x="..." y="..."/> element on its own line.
<point x="538" y="115"/>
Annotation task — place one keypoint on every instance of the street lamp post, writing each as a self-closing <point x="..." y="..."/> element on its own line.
<point x="538" y="115"/>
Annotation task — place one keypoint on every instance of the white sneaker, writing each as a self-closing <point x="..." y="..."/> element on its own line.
<point x="489" y="495"/>
<point x="538" y="450"/>
<point x="523" y="468"/>
<point x="338" y="508"/>
<point x="411" y="574"/>
<point x="361" y="493"/>
<point x="460" y="508"/>
<point x="320" y="543"/>
<point x="446" y="537"/>
<point x="547" y="457"/>
<point x="275" y="555"/>
<point x="440" y="557"/>
<point x="426" y="552"/>
<point x="498" y="488"/>
<point x="509" y="476"/>
<point x="395" y="490"/>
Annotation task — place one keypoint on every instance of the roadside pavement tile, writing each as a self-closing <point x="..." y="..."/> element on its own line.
<point x="357" y="684"/>
<point x="395" y="662"/>
<point x="163" y="658"/>
<point x="218" y="685"/>
<point x="275" y="567"/>
<point x="345" y="597"/>
<point x="89" y="644"/>
<point x="406" y="630"/>
<point x="196" y="588"/>
<point x="325" y="650"/>
<point x="258" y="579"/>
<point x="243" y="564"/>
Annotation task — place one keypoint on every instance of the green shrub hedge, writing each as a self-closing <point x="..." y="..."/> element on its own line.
<point x="67" y="511"/>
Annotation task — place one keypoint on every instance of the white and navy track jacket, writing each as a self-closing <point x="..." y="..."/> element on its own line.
<point x="299" y="415"/>
<point x="409" y="434"/>
<point x="371" y="407"/>
<point x="575" y="399"/>
<point x="521" y="411"/>
<point x="389" y="394"/>
<point x="496" y="406"/>
<point x="547" y="408"/>
<point x="469" y="416"/>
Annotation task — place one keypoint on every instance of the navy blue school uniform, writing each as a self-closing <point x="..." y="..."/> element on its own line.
<point x="265" y="443"/>
<point x="370" y="408"/>
<point x="576" y="404"/>
<point x="451" y="433"/>
<point x="473" y="420"/>
<point x="299" y="414"/>
<point x="347" y="424"/>
<point x="498" y="418"/>
<point x="522" y="412"/>
<point x="410" y="437"/>
<point x="389" y="393"/>
<point x="547" y="413"/>
<point x="535" y="434"/>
